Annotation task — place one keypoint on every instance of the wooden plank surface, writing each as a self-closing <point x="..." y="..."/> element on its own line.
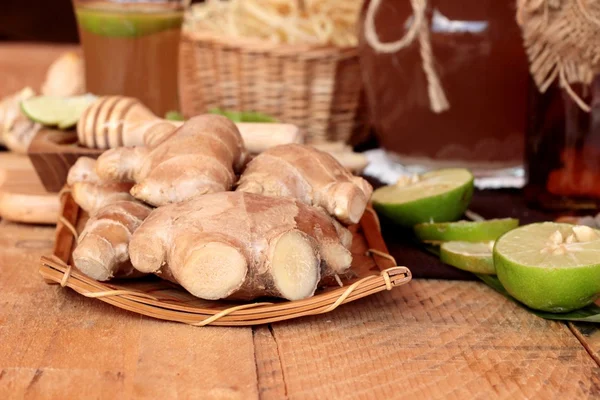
<point x="57" y="344"/>
<point x="429" y="339"/>
<point x="589" y="336"/>
<point x="433" y="339"/>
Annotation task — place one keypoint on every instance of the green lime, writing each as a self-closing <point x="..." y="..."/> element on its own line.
<point x="63" y="112"/>
<point x="550" y="266"/>
<point x="133" y="20"/>
<point x="468" y="256"/>
<point x="465" y="231"/>
<point x="174" y="116"/>
<point x="243" y="116"/>
<point x="435" y="196"/>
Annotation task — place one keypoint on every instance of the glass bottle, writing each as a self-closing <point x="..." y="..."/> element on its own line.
<point x="563" y="149"/>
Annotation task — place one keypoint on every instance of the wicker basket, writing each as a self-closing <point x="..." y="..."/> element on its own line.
<point x="373" y="270"/>
<point x="314" y="87"/>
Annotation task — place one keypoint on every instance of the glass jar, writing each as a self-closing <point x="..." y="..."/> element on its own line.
<point x="131" y="48"/>
<point x="563" y="149"/>
<point x="479" y="61"/>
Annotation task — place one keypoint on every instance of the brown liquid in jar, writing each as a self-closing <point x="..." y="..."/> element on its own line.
<point x="563" y="149"/>
<point x="483" y="69"/>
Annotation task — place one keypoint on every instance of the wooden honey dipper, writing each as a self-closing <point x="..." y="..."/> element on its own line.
<point x="115" y="121"/>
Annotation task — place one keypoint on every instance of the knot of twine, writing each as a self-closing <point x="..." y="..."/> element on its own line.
<point x="562" y="39"/>
<point x="419" y="28"/>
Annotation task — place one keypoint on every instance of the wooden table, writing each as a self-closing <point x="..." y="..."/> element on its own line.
<point x="428" y="339"/>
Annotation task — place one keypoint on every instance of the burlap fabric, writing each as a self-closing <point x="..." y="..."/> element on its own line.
<point x="562" y="40"/>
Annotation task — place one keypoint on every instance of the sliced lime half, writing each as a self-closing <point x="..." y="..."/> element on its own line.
<point x="550" y="266"/>
<point x="63" y="112"/>
<point x="435" y="196"/>
<point x="465" y="231"/>
<point x="468" y="256"/>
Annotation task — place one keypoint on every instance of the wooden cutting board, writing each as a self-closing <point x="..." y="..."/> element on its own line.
<point x="22" y="195"/>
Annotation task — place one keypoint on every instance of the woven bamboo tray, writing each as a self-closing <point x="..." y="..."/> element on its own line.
<point x="317" y="88"/>
<point x="373" y="271"/>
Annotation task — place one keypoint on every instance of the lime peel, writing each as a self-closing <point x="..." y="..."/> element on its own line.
<point x="467" y="231"/>
<point x="469" y="256"/>
<point x="538" y="267"/>
<point x="441" y="195"/>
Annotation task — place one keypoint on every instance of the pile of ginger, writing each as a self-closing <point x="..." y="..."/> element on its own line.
<point x="191" y="208"/>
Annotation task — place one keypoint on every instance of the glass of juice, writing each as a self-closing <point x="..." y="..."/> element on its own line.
<point x="131" y="48"/>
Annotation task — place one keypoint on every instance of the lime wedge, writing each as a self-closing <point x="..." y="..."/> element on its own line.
<point x="465" y="231"/>
<point x="550" y="266"/>
<point x="63" y="112"/>
<point x="435" y="196"/>
<point x="472" y="257"/>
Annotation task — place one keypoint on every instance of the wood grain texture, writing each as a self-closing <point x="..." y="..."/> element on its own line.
<point x="57" y="344"/>
<point x="433" y="339"/>
<point x="589" y="336"/>
<point x="53" y="153"/>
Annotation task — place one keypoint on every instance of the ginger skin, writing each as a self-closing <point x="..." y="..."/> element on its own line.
<point x="241" y="245"/>
<point x="102" y="250"/>
<point x="89" y="191"/>
<point x="309" y="175"/>
<point x="202" y="156"/>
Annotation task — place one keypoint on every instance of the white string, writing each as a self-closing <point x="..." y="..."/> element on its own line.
<point x="437" y="98"/>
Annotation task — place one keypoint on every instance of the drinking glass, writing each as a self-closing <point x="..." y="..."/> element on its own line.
<point x="131" y="48"/>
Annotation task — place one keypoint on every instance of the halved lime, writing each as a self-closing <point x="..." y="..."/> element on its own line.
<point x="63" y="112"/>
<point x="550" y="266"/>
<point x="435" y="196"/>
<point x="465" y="231"/>
<point x="472" y="257"/>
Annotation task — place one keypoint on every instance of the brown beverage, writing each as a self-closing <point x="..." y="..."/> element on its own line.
<point x="132" y="49"/>
<point x="482" y="67"/>
<point x="563" y="149"/>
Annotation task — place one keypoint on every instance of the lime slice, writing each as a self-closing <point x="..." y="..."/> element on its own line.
<point x="435" y="196"/>
<point x="63" y="112"/>
<point x="550" y="266"/>
<point x="472" y="257"/>
<point x="136" y="20"/>
<point x="465" y="231"/>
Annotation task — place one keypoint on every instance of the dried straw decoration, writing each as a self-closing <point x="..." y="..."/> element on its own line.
<point x="373" y="271"/>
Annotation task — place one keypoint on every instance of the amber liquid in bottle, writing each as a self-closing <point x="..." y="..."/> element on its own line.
<point x="563" y="149"/>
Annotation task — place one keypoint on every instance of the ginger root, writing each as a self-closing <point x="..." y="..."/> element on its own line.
<point x="89" y="191"/>
<point x="242" y="245"/>
<point x="202" y="156"/>
<point x="65" y="76"/>
<point x="16" y="130"/>
<point x="309" y="175"/>
<point x="102" y="249"/>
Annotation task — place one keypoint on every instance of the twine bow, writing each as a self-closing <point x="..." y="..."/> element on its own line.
<point x="419" y="28"/>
